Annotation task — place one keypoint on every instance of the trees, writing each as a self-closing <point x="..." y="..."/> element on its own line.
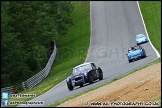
<point x="27" y="28"/>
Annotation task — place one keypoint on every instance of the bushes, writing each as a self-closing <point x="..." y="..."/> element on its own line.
<point x="27" y="28"/>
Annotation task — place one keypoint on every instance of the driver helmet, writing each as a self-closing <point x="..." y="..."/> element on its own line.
<point x="132" y="48"/>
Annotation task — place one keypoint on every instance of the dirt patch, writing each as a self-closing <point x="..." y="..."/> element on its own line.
<point x="137" y="89"/>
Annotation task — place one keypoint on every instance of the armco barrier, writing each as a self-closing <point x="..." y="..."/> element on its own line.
<point x="34" y="80"/>
<point x="9" y="90"/>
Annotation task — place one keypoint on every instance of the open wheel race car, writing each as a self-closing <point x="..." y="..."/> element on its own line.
<point x="84" y="73"/>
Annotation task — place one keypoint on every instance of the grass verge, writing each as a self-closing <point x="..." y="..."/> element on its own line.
<point x="72" y="51"/>
<point x="151" y="11"/>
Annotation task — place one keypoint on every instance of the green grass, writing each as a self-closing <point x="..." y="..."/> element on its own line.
<point x="72" y="50"/>
<point x="158" y="100"/>
<point x="151" y="12"/>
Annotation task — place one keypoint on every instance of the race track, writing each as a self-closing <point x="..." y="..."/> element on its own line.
<point x="114" y="25"/>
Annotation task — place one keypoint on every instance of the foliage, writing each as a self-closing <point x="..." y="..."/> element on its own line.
<point x="27" y="29"/>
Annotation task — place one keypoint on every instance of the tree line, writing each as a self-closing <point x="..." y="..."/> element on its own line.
<point x="27" y="29"/>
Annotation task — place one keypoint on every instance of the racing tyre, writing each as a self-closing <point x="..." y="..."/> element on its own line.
<point x="101" y="73"/>
<point x="90" y="79"/>
<point x="130" y="61"/>
<point x="81" y="85"/>
<point x="144" y="53"/>
<point x="70" y="87"/>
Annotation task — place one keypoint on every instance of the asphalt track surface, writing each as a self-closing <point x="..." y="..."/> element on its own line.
<point x="114" y="25"/>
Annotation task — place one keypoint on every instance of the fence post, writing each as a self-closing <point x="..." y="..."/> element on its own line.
<point x="26" y="85"/>
<point x="23" y="84"/>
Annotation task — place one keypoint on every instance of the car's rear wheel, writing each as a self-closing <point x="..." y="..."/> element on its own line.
<point x="101" y="73"/>
<point x="70" y="87"/>
<point x="144" y="53"/>
<point x="90" y="79"/>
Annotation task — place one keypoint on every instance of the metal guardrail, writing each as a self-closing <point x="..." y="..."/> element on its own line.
<point x="34" y="80"/>
<point x="9" y="90"/>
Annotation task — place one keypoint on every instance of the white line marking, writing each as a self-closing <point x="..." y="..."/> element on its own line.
<point x="157" y="53"/>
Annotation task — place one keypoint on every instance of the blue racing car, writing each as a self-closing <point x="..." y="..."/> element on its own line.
<point x="135" y="52"/>
<point x="141" y="38"/>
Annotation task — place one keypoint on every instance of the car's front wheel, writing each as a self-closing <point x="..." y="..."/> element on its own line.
<point x="69" y="85"/>
<point x="81" y="85"/>
<point x="90" y="79"/>
<point x="130" y="61"/>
